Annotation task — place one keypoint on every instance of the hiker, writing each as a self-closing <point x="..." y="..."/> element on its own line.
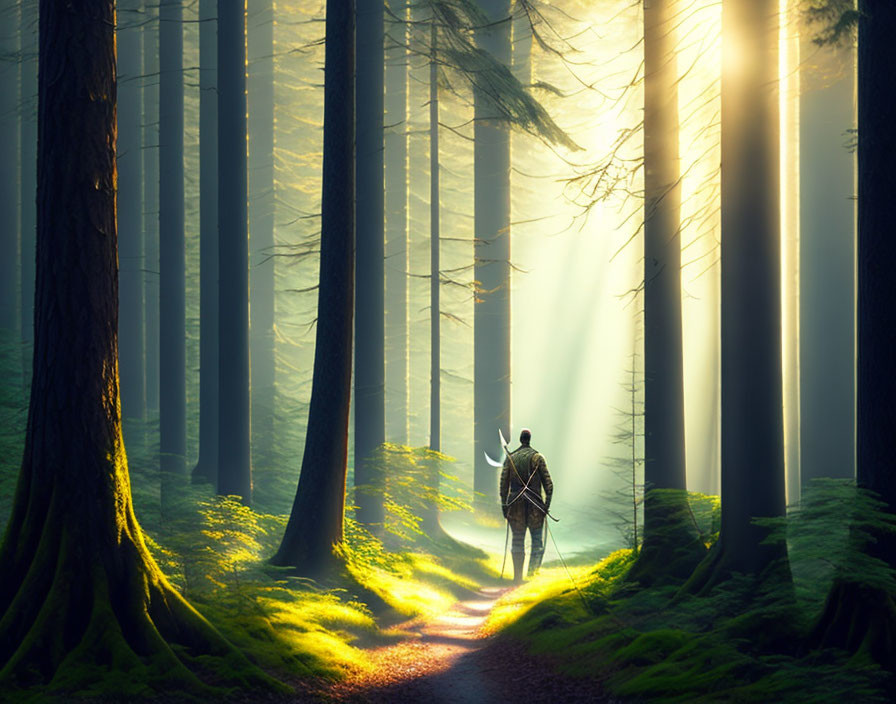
<point x="524" y="474"/>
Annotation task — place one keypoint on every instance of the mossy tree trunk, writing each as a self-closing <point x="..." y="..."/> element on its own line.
<point x="671" y="547"/>
<point x="752" y="388"/>
<point x="81" y="601"/>
<point x="858" y="617"/>
<point x="315" y="523"/>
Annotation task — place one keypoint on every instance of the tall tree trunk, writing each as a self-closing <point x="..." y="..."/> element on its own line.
<point x="10" y="316"/>
<point x="151" y="202"/>
<point x="430" y="517"/>
<point x="80" y="594"/>
<point x="234" y="454"/>
<point x="262" y="204"/>
<point x="207" y="466"/>
<point x="827" y="265"/>
<point x="858" y="617"/>
<point x="491" y="214"/>
<point x="28" y="162"/>
<point x="396" y="207"/>
<point x="172" y="256"/>
<point x="435" y="365"/>
<point x="315" y="523"/>
<point x="876" y="377"/>
<point x="752" y="414"/>
<point x="130" y="208"/>
<point x="671" y="548"/>
<point x="370" y="365"/>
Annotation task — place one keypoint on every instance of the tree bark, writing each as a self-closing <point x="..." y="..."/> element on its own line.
<point x="10" y="315"/>
<point x="858" y="617"/>
<point x="491" y="214"/>
<point x="315" y="523"/>
<point x="430" y="517"/>
<point x="752" y="412"/>
<point x="130" y="209"/>
<point x="827" y="265"/>
<point x="172" y="256"/>
<point x="876" y="376"/>
<point x="81" y="597"/>
<point x="234" y="454"/>
<point x="667" y="526"/>
<point x="396" y="210"/>
<point x="370" y="369"/>
<point x="262" y="204"/>
<point x="206" y="469"/>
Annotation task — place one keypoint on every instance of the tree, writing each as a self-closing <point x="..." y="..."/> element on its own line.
<point x="370" y="369"/>
<point x="234" y="456"/>
<point x="9" y="154"/>
<point x="81" y="598"/>
<point x="172" y="256"/>
<point x="430" y="517"/>
<point x="207" y="466"/>
<point x="667" y="529"/>
<point x="491" y="317"/>
<point x="130" y="208"/>
<point x="752" y="414"/>
<point x="315" y="523"/>
<point x="396" y="210"/>
<point x="435" y="368"/>
<point x="262" y="204"/>
<point x="27" y="161"/>
<point x="857" y="616"/>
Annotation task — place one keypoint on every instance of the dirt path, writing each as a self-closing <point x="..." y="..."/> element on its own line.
<point x="449" y="661"/>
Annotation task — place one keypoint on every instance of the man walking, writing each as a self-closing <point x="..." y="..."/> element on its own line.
<point x="523" y="476"/>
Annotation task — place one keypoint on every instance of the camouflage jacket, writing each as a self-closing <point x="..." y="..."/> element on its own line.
<point x="514" y="477"/>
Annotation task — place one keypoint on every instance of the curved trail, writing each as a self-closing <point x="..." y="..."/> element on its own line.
<point x="449" y="661"/>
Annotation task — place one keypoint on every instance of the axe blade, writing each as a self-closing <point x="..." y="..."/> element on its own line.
<point x="503" y="441"/>
<point x="493" y="463"/>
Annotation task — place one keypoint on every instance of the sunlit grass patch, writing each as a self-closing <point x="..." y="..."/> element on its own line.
<point x="575" y="589"/>
<point x="412" y="583"/>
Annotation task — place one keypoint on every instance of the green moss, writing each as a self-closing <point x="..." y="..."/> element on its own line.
<point x="739" y="644"/>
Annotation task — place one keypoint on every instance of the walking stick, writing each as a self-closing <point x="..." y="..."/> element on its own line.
<point x="506" y="540"/>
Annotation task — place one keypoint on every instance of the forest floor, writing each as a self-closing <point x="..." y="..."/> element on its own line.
<point x="449" y="659"/>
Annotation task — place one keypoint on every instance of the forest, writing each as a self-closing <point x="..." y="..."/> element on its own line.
<point x="447" y="350"/>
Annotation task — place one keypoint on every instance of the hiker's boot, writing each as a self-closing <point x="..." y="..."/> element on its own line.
<point x="535" y="561"/>
<point x="518" y="559"/>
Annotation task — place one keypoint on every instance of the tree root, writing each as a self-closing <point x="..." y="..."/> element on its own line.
<point x="858" y="618"/>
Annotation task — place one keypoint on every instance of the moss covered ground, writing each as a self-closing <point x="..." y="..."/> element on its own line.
<point x="214" y="551"/>
<point x="744" y="642"/>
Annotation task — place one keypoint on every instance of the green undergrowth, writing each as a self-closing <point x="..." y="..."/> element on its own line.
<point x="744" y="642"/>
<point x="215" y="551"/>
